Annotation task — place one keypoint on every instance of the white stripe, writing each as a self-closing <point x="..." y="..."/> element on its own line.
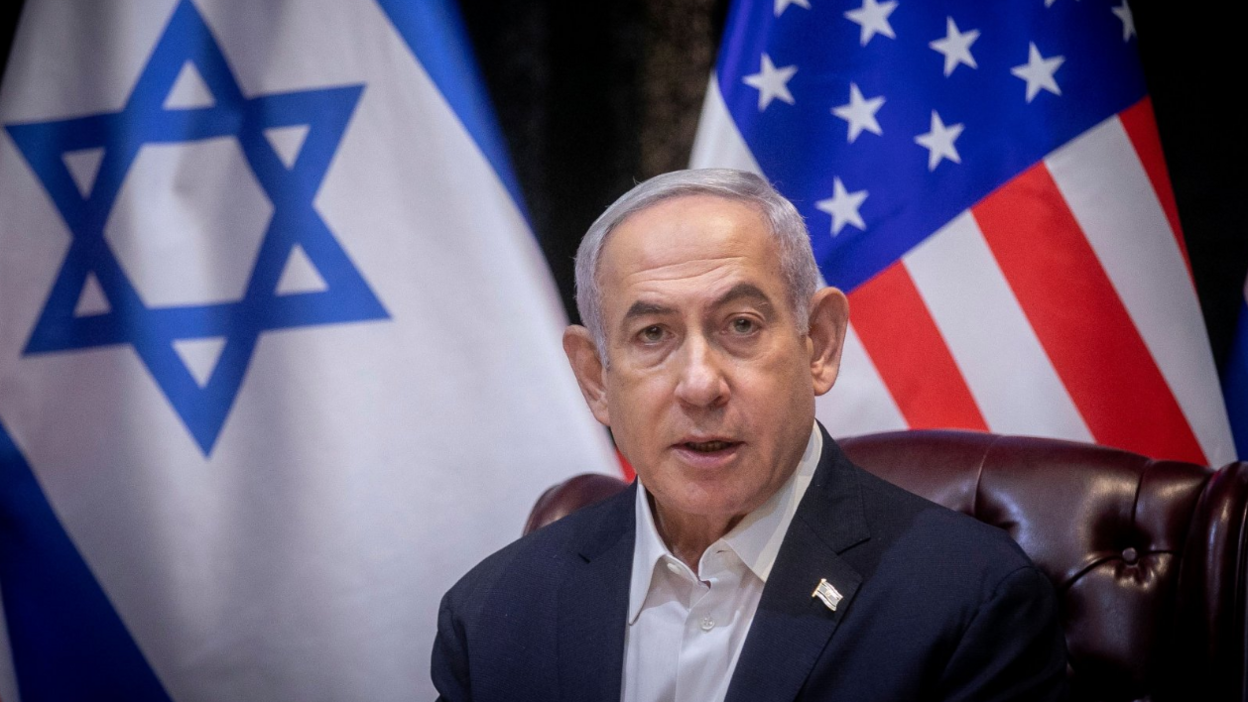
<point x="1005" y="367"/>
<point x="1109" y="192"/>
<point x="719" y="143"/>
<point x="860" y="402"/>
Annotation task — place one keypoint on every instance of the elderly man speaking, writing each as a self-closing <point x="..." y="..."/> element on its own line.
<point x="752" y="561"/>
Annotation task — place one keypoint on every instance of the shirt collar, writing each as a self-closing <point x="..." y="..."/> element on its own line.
<point x="755" y="539"/>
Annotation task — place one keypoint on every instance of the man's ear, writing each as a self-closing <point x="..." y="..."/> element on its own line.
<point x="582" y="354"/>
<point x="829" y="318"/>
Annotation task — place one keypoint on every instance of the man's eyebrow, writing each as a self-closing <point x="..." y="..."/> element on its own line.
<point x="740" y="291"/>
<point x="746" y="291"/>
<point x="644" y="309"/>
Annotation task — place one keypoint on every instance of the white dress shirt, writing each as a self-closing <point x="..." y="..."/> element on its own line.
<point x="686" y="629"/>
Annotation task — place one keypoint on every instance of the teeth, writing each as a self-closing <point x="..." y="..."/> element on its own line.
<point x="708" y="446"/>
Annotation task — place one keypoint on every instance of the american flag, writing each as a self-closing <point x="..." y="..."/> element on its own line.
<point x="986" y="182"/>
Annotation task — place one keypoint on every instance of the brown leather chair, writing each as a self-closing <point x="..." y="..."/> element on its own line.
<point x="1149" y="558"/>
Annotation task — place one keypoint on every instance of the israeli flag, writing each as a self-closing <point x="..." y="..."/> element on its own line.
<point x="279" y="357"/>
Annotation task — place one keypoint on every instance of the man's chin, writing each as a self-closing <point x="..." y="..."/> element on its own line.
<point x="706" y="500"/>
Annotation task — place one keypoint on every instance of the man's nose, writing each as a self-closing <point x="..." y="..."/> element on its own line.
<point x="702" y="382"/>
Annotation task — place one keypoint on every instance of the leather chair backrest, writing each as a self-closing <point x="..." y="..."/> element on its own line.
<point x="1148" y="557"/>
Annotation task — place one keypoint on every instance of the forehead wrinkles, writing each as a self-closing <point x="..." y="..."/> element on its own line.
<point x="682" y="270"/>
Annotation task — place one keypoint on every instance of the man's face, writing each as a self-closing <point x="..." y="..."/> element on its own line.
<point x="709" y="391"/>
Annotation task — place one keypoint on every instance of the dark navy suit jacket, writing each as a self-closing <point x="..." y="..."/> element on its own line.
<point x="937" y="606"/>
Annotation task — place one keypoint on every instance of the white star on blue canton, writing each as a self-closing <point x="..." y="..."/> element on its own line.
<point x="1038" y="72"/>
<point x="956" y="46"/>
<point x="939" y="142"/>
<point x="781" y="5"/>
<point x="771" y="83"/>
<point x="1123" y="12"/>
<point x="860" y="113"/>
<point x="872" y="17"/>
<point x="843" y="206"/>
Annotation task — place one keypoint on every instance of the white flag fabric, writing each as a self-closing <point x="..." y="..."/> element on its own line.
<point x="986" y="182"/>
<point x="279" y="358"/>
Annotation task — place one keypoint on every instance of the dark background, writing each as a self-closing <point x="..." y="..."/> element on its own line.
<point x="594" y="96"/>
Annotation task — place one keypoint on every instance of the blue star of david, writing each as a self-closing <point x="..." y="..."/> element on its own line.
<point x="152" y="330"/>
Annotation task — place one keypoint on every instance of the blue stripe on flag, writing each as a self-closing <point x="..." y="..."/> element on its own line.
<point x="434" y="30"/>
<point x="68" y="642"/>
<point x="1235" y="384"/>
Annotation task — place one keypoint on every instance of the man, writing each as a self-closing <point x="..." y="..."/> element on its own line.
<point x="753" y="562"/>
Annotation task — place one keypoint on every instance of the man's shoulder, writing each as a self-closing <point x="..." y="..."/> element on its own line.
<point x="945" y="606"/>
<point x="502" y="617"/>
<point x="537" y="561"/>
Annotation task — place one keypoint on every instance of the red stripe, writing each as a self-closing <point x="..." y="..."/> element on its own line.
<point x="1080" y="320"/>
<point x="1141" y="129"/>
<point x="911" y="356"/>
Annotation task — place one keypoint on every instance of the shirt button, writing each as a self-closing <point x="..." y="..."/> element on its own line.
<point x="707" y="624"/>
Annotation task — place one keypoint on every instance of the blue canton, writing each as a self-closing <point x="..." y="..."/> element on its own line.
<point x="153" y="330"/>
<point x="883" y="121"/>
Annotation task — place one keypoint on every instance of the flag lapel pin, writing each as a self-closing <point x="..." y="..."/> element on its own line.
<point x="827" y="594"/>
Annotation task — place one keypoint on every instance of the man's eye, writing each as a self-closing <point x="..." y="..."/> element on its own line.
<point x="651" y="334"/>
<point x="743" y="325"/>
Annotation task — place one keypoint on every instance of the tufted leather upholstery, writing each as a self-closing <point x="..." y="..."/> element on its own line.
<point x="1149" y="558"/>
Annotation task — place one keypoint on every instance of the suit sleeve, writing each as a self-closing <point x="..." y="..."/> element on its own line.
<point x="1013" y="649"/>
<point x="449" y="666"/>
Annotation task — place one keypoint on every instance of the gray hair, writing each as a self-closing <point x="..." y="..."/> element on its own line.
<point x="797" y="261"/>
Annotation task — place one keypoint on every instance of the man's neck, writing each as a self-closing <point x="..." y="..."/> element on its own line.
<point x="687" y="536"/>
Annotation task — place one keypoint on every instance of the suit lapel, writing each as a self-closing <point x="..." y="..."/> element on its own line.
<point x="593" y="607"/>
<point x="791" y="627"/>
